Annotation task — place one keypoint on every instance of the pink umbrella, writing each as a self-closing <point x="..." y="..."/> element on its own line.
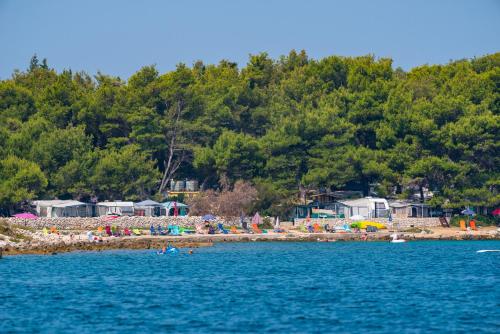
<point x="496" y="212"/>
<point x="25" y="215"/>
<point x="256" y="219"/>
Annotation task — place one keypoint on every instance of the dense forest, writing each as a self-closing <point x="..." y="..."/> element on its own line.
<point x="285" y="125"/>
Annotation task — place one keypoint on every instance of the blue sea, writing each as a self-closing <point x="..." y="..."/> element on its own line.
<point x="337" y="287"/>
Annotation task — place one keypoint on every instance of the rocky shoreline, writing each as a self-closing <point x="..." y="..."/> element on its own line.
<point x="195" y="241"/>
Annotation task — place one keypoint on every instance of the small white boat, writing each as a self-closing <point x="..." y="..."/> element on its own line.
<point x="488" y="250"/>
<point x="395" y="239"/>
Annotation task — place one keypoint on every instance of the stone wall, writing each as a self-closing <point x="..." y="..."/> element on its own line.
<point x="400" y="223"/>
<point x="77" y="223"/>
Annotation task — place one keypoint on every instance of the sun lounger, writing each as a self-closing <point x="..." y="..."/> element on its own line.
<point x="54" y="230"/>
<point x="222" y="229"/>
<point x="234" y="230"/>
<point x="99" y="230"/>
<point x="108" y="231"/>
<point x="472" y="225"/>
<point x="310" y="229"/>
<point x="327" y="228"/>
<point x="444" y="222"/>
<point x="303" y="229"/>
<point x="256" y="229"/>
<point x="127" y="232"/>
<point x="462" y="226"/>
<point x="152" y="230"/>
<point x="317" y="228"/>
<point x="136" y="231"/>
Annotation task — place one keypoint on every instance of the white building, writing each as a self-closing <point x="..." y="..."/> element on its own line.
<point x="115" y="208"/>
<point x="62" y="208"/>
<point x="368" y="207"/>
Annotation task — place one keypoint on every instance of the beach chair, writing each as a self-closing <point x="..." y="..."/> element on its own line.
<point x="303" y="228"/>
<point x="152" y="230"/>
<point x="45" y="231"/>
<point x="347" y="228"/>
<point x="462" y="226"/>
<point x="222" y="229"/>
<point x="472" y="225"/>
<point x="326" y="227"/>
<point x="127" y="232"/>
<point x="317" y="228"/>
<point x="310" y="229"/>
<point x="234" y="230"/>
<point x="444" y="222"/>
<point x="173" y="230"/>
<point x="99" y="230"/>
<point x="136" y="231"/>
<point x="54" y="230"/>
<point x="211" y="230"/>
<point x="161" y="231"/>
<point x="108" y="231"/>
<point x="114" y="231"/>
<point x="256" y="229"/>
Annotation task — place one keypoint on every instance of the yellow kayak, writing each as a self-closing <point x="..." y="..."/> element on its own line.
<point x="364" y="224"/>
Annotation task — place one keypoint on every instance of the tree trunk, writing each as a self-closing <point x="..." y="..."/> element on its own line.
<point x="172" y="163"/>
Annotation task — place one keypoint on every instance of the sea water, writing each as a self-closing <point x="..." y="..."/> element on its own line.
<point x="376" y="287"/>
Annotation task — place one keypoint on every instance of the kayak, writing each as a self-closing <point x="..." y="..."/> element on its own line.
<point x="364" y="224"/>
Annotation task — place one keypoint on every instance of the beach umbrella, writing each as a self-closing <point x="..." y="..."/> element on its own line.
<point x="468" y="212"/>
<point x="25" y="215"/>
<point x="496" y="212"/>
<point x="357" y="217"/>
<point x="256" y="219"/>
<point x="277" y="222"/>
<point x="208" y="217"/>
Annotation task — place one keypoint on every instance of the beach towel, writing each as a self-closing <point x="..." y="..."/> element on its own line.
<point x="256" y="229"/>
<point x="234" y="230"/>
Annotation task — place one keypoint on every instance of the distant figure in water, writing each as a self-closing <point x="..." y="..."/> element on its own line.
<point x="190" y="251"/>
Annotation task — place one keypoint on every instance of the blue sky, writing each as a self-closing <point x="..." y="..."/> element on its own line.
<point x="118" y="37"/>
